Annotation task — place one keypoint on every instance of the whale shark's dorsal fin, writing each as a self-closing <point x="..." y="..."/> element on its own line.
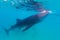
<point x="18" y="20"/>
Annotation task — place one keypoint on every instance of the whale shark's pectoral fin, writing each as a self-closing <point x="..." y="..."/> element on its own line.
<point x="27" y="27"/>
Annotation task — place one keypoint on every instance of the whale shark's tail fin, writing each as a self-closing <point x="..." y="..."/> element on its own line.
<point x="7" y="31"/>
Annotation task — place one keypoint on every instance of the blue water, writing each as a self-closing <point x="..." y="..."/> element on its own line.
<point x="48" y="29"/>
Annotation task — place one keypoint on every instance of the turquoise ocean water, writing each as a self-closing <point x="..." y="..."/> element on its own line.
<point x="48" y="29"/>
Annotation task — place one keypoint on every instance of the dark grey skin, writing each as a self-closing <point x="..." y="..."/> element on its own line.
<point x="30" y="5"/>
<point x="27" y="22"/>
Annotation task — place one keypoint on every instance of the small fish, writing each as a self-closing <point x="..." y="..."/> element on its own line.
<point x="28" y="22"/>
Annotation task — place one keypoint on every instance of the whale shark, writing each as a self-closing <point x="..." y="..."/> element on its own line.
<point x="29" y="5"/>
<point x="28" y="22"/>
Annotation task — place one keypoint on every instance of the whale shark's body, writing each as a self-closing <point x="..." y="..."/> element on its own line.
<point x="29" y="5"/>
<point x="27" y="22"/>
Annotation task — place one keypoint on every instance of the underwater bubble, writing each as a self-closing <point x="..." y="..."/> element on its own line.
<point x="5" y="0"/>
<point x="50" y="11"/>
<point x="12" y="3"/>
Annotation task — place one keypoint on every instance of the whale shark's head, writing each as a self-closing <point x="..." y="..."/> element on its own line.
<point x="44" y="12"/>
